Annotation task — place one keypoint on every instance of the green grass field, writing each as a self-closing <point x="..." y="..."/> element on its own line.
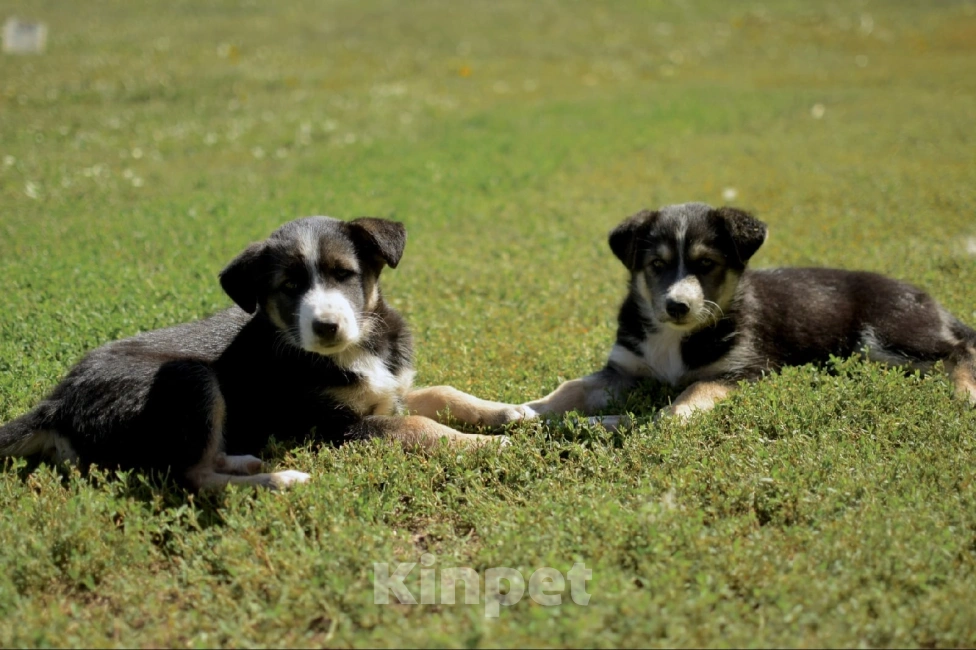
<point x="820" y="507"/>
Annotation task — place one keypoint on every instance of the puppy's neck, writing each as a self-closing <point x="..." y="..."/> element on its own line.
<point x="350" y="357"/>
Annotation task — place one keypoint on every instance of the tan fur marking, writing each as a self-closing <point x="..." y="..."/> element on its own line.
<point x="197" y="475"/>
<point x="372" y="297"/>
<point x="425" y="433"/>
<point x="276" y="318"/>
<point x="962" y="371"/>
<point x="698" y="251"/>
<point x="340" y="260"/>
<point x="700" y="396"/>
<point x="39" y="441"/>
<point x="727" y="291"/>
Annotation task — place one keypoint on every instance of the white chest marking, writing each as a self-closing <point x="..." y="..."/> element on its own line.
<point x="662" y="353"/>
<point x="378" y="391"/>
<point x="660" y="357"/>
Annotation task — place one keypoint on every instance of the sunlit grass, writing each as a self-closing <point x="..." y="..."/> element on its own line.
<point x="820" y="507"/>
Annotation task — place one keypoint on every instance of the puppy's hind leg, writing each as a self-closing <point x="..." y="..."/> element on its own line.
<point x="216" y="469"/>
<point x="244" y="465"/>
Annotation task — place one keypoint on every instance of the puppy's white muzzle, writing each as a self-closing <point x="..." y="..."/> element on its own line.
<point x="684" y="301"/>
<point x="327" y="321"/>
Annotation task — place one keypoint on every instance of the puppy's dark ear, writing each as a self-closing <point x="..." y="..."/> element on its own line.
<point x="241" y="278"/>
<point x="747" y="232"/>
<point x="386" y="238"/>
<point x="624" y="238"/>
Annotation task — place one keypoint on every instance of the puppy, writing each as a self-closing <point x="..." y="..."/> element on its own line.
<point x="311" y="345"/>
<point x="695" y="317"/>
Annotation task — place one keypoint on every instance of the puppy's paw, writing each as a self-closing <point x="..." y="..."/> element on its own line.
<point x="477" y="440"/>
<point x="681" y="413"/>
<point x="287" y="478"/>
<point x="504" y="414"/>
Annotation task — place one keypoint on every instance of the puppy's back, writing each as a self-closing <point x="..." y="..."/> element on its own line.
<point x="802" y="315"/>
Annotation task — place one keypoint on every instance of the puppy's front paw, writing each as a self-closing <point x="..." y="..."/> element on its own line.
<point x="680" y="412"/>
<point x="520" y="413"/>
<point x="503" y="414"/>
<point x="289" y="477"/>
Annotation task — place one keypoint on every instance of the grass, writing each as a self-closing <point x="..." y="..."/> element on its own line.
<point x="820" y="507"/>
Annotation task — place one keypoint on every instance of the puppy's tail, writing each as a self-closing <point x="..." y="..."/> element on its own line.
<point x="26" y="435"/>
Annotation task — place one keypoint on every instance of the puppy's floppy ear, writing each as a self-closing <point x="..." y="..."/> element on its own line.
<point x="241" y="278"/>
<point x="624" y="238"/>
<point x="747" y="232"/>
<point x="386" y="238"/>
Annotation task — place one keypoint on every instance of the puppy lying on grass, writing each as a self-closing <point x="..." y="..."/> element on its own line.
<point x="695" y="317"/>
<point x="310" y="344"/>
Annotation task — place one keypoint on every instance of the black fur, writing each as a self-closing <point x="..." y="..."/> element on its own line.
<point x="150" y="401"/>
<point x="796" y="316"/>
<point x="776" y="317"/>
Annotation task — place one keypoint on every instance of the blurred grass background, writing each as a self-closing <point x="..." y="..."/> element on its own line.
<point x="153" y="140"/>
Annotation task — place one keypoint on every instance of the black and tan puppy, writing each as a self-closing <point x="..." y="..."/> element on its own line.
<point x="695" y="317"/>
<point x="310" y="345"/>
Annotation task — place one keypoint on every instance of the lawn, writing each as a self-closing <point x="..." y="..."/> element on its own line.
<point x="820" y="507"/>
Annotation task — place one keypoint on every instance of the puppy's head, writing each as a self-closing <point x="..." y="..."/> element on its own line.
<point x="317" y="279"/>
<point x="685" y="260"/>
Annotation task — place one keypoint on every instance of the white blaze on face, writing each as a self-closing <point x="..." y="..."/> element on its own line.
<point x="321" y="304"/>
<point x="688" y="290"/>
<point x="330" y="306"/>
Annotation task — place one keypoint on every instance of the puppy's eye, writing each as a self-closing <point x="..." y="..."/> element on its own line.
<point x="342" y="275"/>
<point x="705" y="264"/>
<point x="658" y="264"/>
<point x="291" y="287"/>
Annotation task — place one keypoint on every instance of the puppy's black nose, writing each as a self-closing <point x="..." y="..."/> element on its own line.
<point x="324" y="329"/>
<point x="676" y="309"/>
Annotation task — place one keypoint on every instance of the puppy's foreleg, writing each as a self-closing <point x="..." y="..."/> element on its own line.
<point x="700" y="396"/>
<point x="586" y="394"/>
<point x="437" y="402"/>
<point x="416" y="431"/>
